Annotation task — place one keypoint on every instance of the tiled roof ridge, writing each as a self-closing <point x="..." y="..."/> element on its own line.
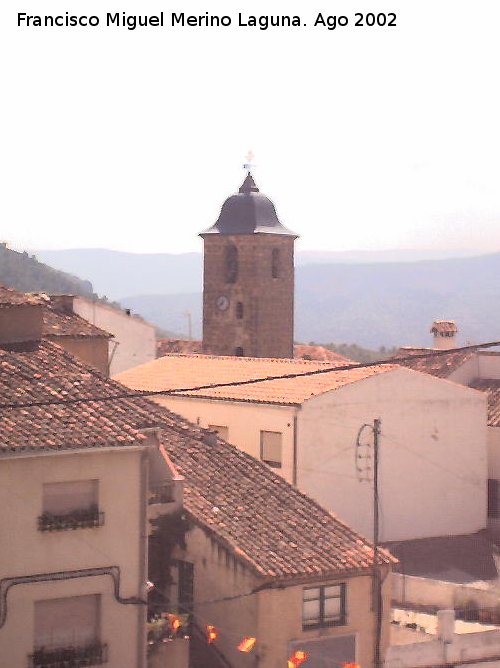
<point x="274" y="360"/>
<point x="13" y="297"/>
<point x="72" y="321"/>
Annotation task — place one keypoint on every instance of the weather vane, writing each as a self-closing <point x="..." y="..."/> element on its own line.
<point x="248" y="165"/>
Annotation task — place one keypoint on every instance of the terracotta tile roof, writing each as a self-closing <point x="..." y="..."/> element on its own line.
<point x="260" y="517"/>
<point x="492" y="389"/>
<point x="438" y="365"/>
<point x="44" y="371"/>
<point x="444" y="327"/>
<point x="11" y="297"/>
<point x="177" y="346"/>
<point x="307" y="352"/>
<point x="183" y="371"/>
<point x="264" y="521"/>
<point x="57" y="323"/>
<point x="301" y="350"/>
<point x="253" y="512"/>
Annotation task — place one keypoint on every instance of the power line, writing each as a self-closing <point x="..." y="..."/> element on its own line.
<point x="238" y="383"/>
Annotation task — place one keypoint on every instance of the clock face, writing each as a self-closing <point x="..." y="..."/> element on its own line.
<point x="222" y="303"/>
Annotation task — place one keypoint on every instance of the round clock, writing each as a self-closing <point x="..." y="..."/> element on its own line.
<point x="222" y="303"/>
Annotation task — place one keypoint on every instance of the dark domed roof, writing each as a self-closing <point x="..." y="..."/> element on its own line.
<point x="248" y="212"/>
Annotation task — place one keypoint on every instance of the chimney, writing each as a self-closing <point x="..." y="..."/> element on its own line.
<point x="446" y="625"/>
<point x="21" y="317"/>
<point x="445" y="332"/>
<point x="62" y="303"/>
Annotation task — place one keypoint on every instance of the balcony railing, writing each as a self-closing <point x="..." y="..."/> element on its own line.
<point x="69" y="657"/>
<point x="161" y="494"/>
<point x="78" y="519"/>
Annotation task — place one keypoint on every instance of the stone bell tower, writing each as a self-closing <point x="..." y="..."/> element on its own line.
<point x="248" y="279"/>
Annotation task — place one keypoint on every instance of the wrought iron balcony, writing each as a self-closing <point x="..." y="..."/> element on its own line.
<point x="69" y="657"/>
<point x="78" y="519"/>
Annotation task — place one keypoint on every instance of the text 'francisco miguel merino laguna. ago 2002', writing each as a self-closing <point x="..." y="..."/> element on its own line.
<point x="206" y="20"/>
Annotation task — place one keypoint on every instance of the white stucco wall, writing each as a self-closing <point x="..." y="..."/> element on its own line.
<point x="28" y="551"/>
<point x="244" y="421"/>
<point x="463" y="650"/>
<point x="466" y="372"/>
<point x="433" y="455"/>
<point x="136" y="338"/>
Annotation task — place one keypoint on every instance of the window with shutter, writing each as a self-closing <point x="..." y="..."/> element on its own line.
<point x="271" y="447"/>
<point x="494" y="498"/>
<point x="68" y="622"/>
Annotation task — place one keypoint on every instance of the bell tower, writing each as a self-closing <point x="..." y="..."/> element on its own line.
<point x="248" y="279"/>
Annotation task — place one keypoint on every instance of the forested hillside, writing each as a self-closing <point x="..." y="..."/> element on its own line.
<point x="24" y="272"/>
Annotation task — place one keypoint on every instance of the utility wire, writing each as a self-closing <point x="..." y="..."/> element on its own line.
<point x="237" y="383"/>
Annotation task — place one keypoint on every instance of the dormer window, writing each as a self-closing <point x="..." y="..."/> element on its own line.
<point x="231" y="263"/>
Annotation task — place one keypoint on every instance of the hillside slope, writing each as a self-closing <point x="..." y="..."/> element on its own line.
<point x="24" y="272"/>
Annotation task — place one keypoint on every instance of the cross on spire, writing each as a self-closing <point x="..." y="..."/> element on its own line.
<point x="248" y="164"/>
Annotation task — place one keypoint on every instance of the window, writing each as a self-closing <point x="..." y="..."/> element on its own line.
<point x="221" y="431"/>
<point x="239" y="310"/>
<point x="68" y="628"/>
<point x="186" y="586"/>
<point x="162" y="493"/>
<point x="238" y="352"/>
<point x="275" y="263"/>
<point x="231" y="262"/>
<point x="70" y="505"/>
<point x="270" y="448"/>
<point x="494" y="499"/>
<point x="324" y="606"/>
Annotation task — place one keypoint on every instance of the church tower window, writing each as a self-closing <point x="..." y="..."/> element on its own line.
<point x="231" y="258"/>
<point x="239" y="310"/>
<point x="275" y="263"/>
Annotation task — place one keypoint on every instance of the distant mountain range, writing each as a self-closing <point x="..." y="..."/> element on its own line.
<point x="115" y="273"/>
<point x="372" y="304"/>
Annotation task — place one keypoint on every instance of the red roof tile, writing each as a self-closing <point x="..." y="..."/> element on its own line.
<point x="320" y="353"/>
<point x="301" y="350"/>
<point x="278" y="531"/>
<point x="492" y="389"/>
<point x="444" y="327"/>
<point x="45" y="372"/>
<point x="441" y="365"/>
<point x="57" y="324"/>
<point x="11" y="297"/>
<point x="183" y="371"/>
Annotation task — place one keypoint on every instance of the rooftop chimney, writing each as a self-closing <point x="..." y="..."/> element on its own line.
<point x="444" y="332"/>
<point x="63" y="303"/>
<point x="21" y="317"/>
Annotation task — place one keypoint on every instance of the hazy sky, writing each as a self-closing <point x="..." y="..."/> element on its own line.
<point x="364" y="137"/>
